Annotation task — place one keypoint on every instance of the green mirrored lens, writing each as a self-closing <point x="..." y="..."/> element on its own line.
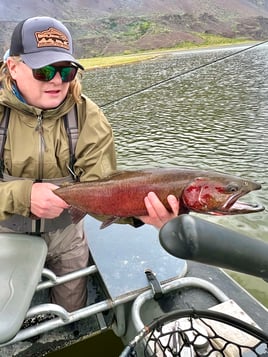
<point x="68" y="73"/>
<point x="47" y="73"/>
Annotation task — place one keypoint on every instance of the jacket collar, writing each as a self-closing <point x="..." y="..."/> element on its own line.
<point x="11" y="100"/>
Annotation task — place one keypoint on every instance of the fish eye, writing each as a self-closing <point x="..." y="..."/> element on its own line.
<point x="232" y="187"/>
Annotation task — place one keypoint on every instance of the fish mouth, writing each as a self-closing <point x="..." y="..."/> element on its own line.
<point x="234" y="206"/>
<point x="243" y="207"/>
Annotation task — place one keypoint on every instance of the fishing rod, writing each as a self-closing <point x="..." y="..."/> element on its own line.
<point x="181" y="74"/>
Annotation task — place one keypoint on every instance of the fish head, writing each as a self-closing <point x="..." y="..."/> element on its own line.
<point x="219" y="195"/>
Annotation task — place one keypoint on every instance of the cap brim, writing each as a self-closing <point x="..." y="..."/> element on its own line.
<point x="44" y="58"/>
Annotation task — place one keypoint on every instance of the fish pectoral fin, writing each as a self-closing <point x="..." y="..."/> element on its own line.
<point x="76" y="214"/>
<point x="109" y="221"/>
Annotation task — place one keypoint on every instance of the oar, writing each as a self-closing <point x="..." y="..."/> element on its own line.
<point x="192" y="238"/>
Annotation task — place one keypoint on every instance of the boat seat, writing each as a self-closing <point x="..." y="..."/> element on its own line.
<point x="22" y="259"/>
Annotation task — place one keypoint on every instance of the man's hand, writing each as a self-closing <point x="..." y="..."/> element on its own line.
<point x="44" y="203"/>
<point x="158" y="215"/>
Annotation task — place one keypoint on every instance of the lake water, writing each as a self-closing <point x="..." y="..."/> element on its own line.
<point x="214" y="117"/>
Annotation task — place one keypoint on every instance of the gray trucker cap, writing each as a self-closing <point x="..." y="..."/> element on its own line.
<point x="41" y="41"/>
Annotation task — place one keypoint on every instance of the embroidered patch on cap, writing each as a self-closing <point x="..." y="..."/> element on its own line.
<point x="52" y="38"/>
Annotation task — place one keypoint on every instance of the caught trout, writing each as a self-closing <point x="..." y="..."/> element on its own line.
<point x="122" y="193"/>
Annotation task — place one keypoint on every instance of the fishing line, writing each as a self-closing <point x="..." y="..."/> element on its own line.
<point x="181" y="74"/>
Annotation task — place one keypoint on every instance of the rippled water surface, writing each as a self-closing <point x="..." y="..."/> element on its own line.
<point x="215" y="117"/>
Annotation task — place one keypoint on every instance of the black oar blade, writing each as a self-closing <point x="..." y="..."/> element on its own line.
<point x="192" y="238"/>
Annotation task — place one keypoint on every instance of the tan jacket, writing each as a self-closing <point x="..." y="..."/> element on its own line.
<point x="37" y="147"/>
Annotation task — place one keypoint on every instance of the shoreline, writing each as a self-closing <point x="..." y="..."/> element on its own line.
<point x="125" y="59"/>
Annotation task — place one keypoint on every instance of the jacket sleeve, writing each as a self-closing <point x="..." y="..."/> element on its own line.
<point x="15" y="198"/>
<point x="15" y="195"/>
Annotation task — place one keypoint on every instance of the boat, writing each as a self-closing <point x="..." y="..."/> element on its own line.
<point x="134" y="278"/>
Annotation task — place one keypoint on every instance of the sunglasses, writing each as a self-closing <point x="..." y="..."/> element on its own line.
<point x="45" y="74"/>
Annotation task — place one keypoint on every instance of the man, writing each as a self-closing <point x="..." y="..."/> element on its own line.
<point x="39" y="89"/>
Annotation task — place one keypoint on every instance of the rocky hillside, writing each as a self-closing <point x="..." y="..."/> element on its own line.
<point x="104" y="27"/>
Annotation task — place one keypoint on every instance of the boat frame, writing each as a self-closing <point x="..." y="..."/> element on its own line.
<point x="151" y="284"/>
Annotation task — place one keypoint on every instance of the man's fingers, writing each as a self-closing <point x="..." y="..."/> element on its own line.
<point x="150" y="208"/>
<point x="174" y="204"/>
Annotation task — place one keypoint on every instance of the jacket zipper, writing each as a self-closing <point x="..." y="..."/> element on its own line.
<point x="42" y="146"/>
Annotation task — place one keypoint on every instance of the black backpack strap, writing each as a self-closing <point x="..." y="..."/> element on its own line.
<point x="3" y="136"/>
<point x="71" y="126"/>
